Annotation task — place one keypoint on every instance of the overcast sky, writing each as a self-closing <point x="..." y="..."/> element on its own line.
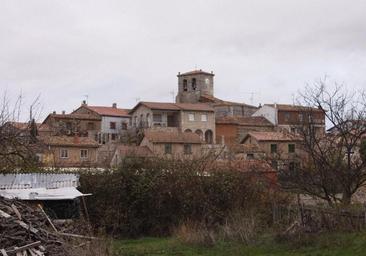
<point x="122" y="51"/>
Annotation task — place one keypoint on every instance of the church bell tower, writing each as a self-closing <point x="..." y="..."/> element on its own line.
<point x="194" y="84"/>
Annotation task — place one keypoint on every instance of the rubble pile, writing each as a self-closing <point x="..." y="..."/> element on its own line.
<point x="22" y="226"/>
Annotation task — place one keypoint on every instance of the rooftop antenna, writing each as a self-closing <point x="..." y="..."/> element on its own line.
<point x="252" y="96"/>
<point x="293" y="98"/>
<point x="137" y="99"/>
<point x="86" y="98"/>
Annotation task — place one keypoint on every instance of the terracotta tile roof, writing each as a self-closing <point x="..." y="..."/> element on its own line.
<point x="73" y="117"/>
<point x="139" y="151"/>
<point x="175" y="106"/>
<point x="109" y="111"/>
<point x="19" y="125"/>
<point x="289" y="107"/>
<point x="43" y="127"/>
<point x="70" y="141"/>
<point x="244" y="121"/>
<point x="26" y="125"/>
<point x="173" y="137"/>
<point x="273" y="136"/>
<point x="195" y="72"/>
<point x="218" y="102"/>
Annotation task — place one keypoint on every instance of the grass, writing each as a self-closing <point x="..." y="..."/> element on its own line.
<point x="353" y="244"/>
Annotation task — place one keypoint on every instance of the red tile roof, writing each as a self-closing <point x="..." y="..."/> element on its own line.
<point x="173" y="137"/>
<point x="69" y="141"/>
<point x="220" y="102"/>
<point x="26" y="125"/>
<point x="244" y="121"/>
<point x="195" y="72"/>
<point x="72" y="117"/>
<point x="289" y="107"/>
<point x="109" y="111"/>
<point x="273" y="136"/>
<point x="175" y="106"/>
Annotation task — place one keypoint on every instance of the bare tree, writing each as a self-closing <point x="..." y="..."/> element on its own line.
<point x="335" y="165"/>
<point x="18" y="141"/>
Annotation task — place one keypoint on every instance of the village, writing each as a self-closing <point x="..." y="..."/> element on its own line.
<point x="57" y="173"/>
<point x="197" y="124"/>
<point x="195" y="128"/>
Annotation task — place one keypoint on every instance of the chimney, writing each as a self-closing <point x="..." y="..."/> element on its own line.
<point x="54" y="112"/>
<point x="114" y="105"/>
<point x="84" y="103"/>
<point x="63" y="112"/>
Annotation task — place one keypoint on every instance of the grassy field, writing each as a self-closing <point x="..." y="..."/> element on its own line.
<point x="322" y="245"/>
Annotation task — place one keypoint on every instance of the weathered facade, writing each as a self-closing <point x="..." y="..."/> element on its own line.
<point x="283" y="149"/>
<point x="68" y="151"/>
<point x="293" y="118"/>
<point x="184" y="117"/>
<point x="231" y="130"/>
<point x="79" y="124"/>
<point x="173" y="144"/>
<point x="114" y="121"/>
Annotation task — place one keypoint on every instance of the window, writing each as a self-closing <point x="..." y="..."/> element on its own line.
<point x="113" y="136"/>
<point x="194" y="85"/>
<point x="204" y="118"/>
<point x="185" y="85"/>
<point x="84" y="153"/>
<point x="64" y="153"/>
<point x="124" y="126"/>
<point x="191" y="117"/>
<point x="39" y="157"/>
<point x="91" y="126"/>
<point x="287" y="116"/>
<point x="187" y="149"/>
<point x="250" y="156"/>
<point x="291" y="148"/>
<point x="157" y="118"/>
<point x="301" y="117"/>
<point x="273" y="148"/>
<point x="168" y="148"/>
<point x="112" y="125"/>
<point x="135" y="121"/>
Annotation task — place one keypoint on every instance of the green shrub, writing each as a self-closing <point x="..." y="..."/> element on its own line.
<point x="151" y="197"/>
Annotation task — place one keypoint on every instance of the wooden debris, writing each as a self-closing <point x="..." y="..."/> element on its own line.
<point x="29" y="236"/>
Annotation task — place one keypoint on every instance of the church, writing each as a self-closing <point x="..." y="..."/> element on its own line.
<point x="197" y="86"/>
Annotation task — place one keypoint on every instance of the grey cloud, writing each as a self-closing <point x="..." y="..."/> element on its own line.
<point x="123" y="50"/>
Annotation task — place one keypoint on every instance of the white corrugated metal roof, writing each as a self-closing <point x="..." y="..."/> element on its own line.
<point x="42" y="194"/>
<point x="38" y="180"/>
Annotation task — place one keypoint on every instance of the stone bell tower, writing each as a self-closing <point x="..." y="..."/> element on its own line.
<point x="194" y="84"/>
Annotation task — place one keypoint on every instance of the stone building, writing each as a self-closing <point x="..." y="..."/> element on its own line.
<point x="293" y="118"/>
<point x="183" y="117"/>
<point x="283" y="149"/>
<point x="68" y="151"/>
<point x="230" y="130"/>
<point x="197" y="86"/>
<point x="114" y="121"/>
<point x="83" y="125"/>
<point x="173" y="144"/>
